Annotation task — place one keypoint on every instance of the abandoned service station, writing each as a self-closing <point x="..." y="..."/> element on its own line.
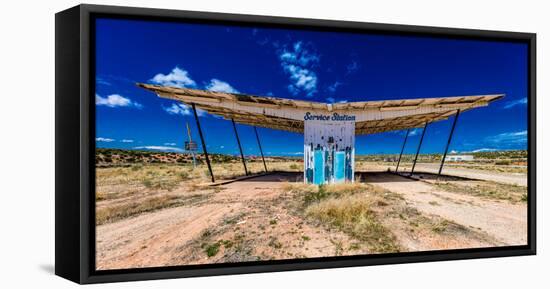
<point x="329" y="128"/>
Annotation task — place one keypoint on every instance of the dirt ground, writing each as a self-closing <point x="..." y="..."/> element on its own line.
<point x="250" y="214"/>
<point x="261" y="219"/>
<point x="503" y="221"/>
<point x="473" y="172"/>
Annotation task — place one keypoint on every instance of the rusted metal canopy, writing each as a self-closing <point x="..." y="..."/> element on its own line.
<point x="288" y="114"/>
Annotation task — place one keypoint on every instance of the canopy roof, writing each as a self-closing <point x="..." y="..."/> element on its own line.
<point x="288" y="114"/>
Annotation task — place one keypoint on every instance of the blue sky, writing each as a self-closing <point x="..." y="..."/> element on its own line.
<point x="298" y="64"/>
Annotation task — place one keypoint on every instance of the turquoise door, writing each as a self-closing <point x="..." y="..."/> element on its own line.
<point x="318" y="167"/>
<point x="339" y="167"/>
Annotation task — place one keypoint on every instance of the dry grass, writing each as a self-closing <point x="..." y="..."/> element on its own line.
<point x="488" y="189"/>
<point x="287" y="166"/>
<point x="406" y="163"/>
<point x="353" y="214"/>
<point x="500" y="168"/>
<point x="100" y="196"/>
<point x="213" y="242"/>
<point x="352" y="188"/>
<point x="117" y="182"/>
<point x="126" y="210"/>
<point x="351" y="208"/>
<point x="299" y="188"/>
<point x="313" y="194"/>
<point x="123" y="192"/>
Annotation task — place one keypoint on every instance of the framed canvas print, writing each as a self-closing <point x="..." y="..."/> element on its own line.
<point x="194" y="144"/>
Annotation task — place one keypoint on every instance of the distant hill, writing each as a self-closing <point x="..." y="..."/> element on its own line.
<point x="479" y="155"/>
<point x="509" y="154"/>
<point x="114" y="157"/>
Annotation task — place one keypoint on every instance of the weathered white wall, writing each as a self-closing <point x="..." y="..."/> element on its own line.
<point x="317" y="133"/>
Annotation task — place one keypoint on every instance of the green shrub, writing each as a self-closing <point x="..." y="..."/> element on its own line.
<point x="316" y="196"/>
<point x="212" y="249"/>
<point x="524" y="197"/>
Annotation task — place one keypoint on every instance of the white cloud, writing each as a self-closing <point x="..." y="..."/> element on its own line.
<point x="508" y="138"/>
<point x="303" y="79"/>
<point x="403" y="132"/>
<point x="352" y="67"/>
<point x="414" y="132"/>
<point x="503" y="141"/>
<point x="298" y="63"/>
<point x="180" y="78"/>
<point x="510" y="104"/>
<point x="100" y="80"/>
<point x="178" y="108"/>
<point x="484" y="150"/>
<point x="299" y="55"/>
<point x="182" y="109"/>
<point x="330" y="99"/>
<point x="116" y="100"/>
<point x="332" y="88"/>
<point x="104" y="139"/>
<point x="220" y="86"/>
<point x="263" y="41"/>
<point x="160" y="148"/>
<point x="177" y="78"/>
<point x="127" y="140"/>
<point x="169" y="143"/>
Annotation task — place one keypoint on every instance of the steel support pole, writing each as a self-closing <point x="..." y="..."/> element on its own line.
<point x="240" y="148"/>
<point x="402" y="149"/>
<point x="260" y="146"/>
<point x="418" y="149"/>
<point x="448" y="142"/>
<point x="202" y="141"/>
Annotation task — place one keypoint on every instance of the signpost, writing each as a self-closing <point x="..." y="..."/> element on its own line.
<point x="190" y="145"/>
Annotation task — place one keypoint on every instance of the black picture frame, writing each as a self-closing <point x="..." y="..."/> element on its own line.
<point x="75" y="134"/>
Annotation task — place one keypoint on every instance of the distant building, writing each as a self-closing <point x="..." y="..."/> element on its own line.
<point x="459" y="158"/>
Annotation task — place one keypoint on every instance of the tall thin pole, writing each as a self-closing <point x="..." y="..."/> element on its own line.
<point x="240" y="148"/>
<point x="448" y="142"/>
<point x="260" y="146"/>
<point x="418" y="149"/>
<point x="190" y="141"/>
<point x="402" y="149"/>
<point x="202" y="141"/>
